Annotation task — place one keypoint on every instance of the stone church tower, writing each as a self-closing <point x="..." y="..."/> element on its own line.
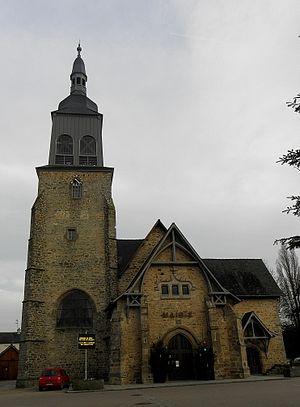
<point x="71" y="270"/>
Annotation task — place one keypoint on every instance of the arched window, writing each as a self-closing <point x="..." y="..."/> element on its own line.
<point x="64" y="150"/>
<point x="87" y="154"/>
<point x="75" y="310"/>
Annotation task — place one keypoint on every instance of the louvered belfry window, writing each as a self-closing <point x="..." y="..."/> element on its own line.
<point x="64" y="150"/>
<point x="88" y="154"/>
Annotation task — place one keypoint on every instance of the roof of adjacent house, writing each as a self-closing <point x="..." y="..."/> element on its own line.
<point x="6" y="347"/>
<point x="9" y="337"/>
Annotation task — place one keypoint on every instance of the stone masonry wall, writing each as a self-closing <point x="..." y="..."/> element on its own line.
<point x="130" y="357"/>
<point x="161" y="316"/>
<point x="226" y="341"/>
<point x="142" y="253"/>
<point x="57" y="265"/>
<point x="268" y="312"/>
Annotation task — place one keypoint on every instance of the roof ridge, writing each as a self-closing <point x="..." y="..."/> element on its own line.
<point x="231" y="258"/>
<point x="127" y="240"/>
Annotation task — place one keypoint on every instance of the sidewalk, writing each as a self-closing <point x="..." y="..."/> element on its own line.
<point x="7" y="384"/>
<point x="11" y="384"/>
<point x="117" y="387"/>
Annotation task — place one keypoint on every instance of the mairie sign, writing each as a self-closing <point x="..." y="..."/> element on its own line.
<point x="86" y="341"/>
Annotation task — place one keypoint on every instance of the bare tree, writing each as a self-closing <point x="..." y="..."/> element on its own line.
<point x="288" y="278"/>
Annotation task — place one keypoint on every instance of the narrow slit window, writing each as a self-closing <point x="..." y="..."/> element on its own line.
<point x="185" y="289"/>
<point x="175" y="289"/>
<point x="71" y="234"/>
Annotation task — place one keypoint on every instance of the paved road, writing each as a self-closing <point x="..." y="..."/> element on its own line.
<point x="279" y="393"/>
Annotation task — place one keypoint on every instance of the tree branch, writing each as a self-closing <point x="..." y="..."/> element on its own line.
<point x="292" y="158"/>
<point x="290" y="243"/>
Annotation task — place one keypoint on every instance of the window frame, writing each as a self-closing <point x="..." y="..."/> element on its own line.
<point x="187" y="287"/>
<point x="88" y="151"/>
<point x="175" y="290"/>
<point x="76" y="188"/>
<point x="72" y="234"/>
<point x="64" y="150"/>
<point x="168" y="290"/>
<point x="75" y="312"/>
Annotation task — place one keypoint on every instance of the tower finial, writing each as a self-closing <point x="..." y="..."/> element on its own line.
<point x="79" y="49"/>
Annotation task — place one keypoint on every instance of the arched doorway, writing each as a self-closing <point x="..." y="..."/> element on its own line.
<point x="181" y="358"/>
<point x="253" y="359"/>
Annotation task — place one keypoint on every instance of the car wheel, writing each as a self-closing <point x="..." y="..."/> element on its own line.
<point x="40" y="388"/>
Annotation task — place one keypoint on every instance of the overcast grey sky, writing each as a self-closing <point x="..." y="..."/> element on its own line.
<point x="193" y="95"/>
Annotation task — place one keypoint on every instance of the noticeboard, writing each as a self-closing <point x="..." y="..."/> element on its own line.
<point x="86" y="341"/>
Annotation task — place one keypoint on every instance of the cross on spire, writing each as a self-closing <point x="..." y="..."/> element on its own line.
<point x="79" y="49"/>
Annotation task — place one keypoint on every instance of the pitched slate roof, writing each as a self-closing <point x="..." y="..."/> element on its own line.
<point x="77" y="104"/>
<point x="9" y="337"/>
<point x="244" y="277"/>
<point x="126" y="249"/>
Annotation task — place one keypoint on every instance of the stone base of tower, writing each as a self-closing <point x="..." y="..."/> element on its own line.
<point x="30" y="363"/>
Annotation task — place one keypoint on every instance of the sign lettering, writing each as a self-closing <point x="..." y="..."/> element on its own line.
<point x="177" y="314"/>
<point x="86" y="341"/>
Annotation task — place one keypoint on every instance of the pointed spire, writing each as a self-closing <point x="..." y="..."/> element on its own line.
<point x="78" y="76"/>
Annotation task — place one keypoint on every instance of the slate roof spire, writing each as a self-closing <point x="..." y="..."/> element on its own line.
<point x="78" y="75"/>
<point x="76" y="138"/>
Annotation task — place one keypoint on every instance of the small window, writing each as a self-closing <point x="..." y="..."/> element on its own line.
<point x="78" y="81"/>
<point x="175" y="289"/>
<point x="165" y="289"/>
<point x="71" y="234"/>
<point x="185" y="289"/>
<point x="73" y="81"/>
<point x="76" y="188"/>
<point x="83" y="82"/>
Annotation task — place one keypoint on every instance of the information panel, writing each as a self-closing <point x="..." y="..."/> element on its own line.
<point x="86" y="341"/>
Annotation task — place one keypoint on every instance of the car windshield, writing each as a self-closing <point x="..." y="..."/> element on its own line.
<point x="50" y="372"/>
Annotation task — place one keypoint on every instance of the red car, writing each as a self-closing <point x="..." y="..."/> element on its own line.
<point x="53" y="377"/>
